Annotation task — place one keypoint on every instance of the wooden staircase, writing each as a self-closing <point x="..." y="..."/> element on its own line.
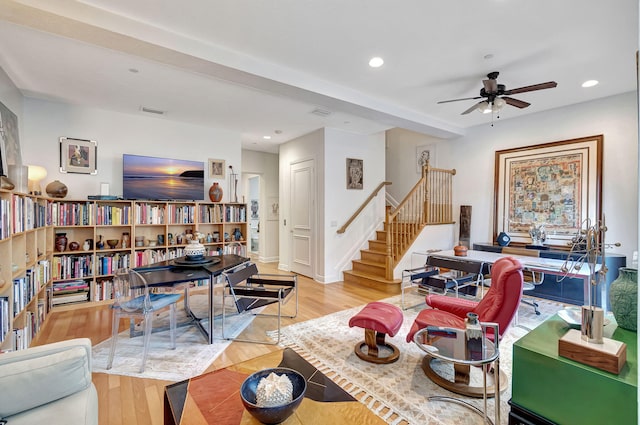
<point x="371" y="269"/>
<point x="429" y="202"/>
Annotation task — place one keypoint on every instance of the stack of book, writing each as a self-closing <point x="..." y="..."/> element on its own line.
<point x="70" y="291"/>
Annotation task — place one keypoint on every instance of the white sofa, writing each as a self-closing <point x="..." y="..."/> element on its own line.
<point x="50" y="385"/>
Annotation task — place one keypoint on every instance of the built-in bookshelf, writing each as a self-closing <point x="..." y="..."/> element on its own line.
<point x="26" y="243"/>
<point x="146" y="232"/>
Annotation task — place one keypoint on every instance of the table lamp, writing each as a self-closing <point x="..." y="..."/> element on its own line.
<point x="36" y="174"/>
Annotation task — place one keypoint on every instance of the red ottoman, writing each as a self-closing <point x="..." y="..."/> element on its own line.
<point x="378" y="319"/>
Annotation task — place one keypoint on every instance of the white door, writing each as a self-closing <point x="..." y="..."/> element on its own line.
<point x="302" y="218"/>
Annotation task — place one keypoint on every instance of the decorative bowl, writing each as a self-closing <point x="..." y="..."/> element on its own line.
<point x="113" y="243"/>
<point x="276" y="414"/>
<point x="194" y="250"/>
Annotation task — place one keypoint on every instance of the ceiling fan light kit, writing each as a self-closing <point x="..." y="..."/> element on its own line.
<point x="497" y="96"/>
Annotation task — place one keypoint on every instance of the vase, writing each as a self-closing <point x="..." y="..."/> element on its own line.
<point x="215" y="192"/>
<point x="623" y="296"/>
<point x="56" y="189"/>
<point x="100" y="242"/>
<point x="61" y="242"/>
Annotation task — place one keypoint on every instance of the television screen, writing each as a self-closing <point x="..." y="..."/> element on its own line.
<point x="146" y="177"/>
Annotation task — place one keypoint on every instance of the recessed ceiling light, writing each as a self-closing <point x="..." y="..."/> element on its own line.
<point x="590" y="83"/>
<point x="266" y="137"/>
<point x="376" y="62"/>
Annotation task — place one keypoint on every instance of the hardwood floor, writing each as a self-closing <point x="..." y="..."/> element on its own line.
<point x="131" y="401"/>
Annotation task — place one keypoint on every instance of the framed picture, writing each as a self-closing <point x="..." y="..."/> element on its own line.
<point x="9" y="137"/>
<point x="354" y="173"/>
<point x="424" y="154"/>
<point x="216" y="168"/>
<point x="78" y="156"/>
<point x="273" y="210"/>
<point x="557" y="185"/>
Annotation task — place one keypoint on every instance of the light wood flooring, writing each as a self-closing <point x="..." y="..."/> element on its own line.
<point x="131" y="401"/>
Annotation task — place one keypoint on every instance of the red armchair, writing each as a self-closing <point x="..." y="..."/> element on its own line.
<point x="499" y="304"/>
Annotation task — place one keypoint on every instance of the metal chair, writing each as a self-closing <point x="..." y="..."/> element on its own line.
<point x="134" y="301"/>
<point x="531" y="278"/>
<point x="251" y="290"/>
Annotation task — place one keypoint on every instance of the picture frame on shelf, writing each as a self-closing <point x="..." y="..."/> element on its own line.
<point x="557" y="184"/>
<point x="78" y="156"/>
<point x="355" y="173"/>
<point x="216" y="168"/>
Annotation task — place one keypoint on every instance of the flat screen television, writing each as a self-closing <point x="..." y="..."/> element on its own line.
<point x="147" y="177"/>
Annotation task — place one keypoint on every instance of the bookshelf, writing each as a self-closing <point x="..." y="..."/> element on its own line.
<point x="26" y="241"/>
<point x="152" y="231"/>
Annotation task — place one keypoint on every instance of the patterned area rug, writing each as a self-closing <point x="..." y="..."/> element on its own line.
<point x="191" y="357"/>
<point x="398" y="391"/>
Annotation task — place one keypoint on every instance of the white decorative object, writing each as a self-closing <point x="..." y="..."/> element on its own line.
<point x="274" y="390"/>
<point x="194" y="249"/>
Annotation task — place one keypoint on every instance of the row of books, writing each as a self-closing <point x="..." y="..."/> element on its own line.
<point x="108" y="264"/>
<point x="72" y="266"/>
<point x="24" y="289"/>
<point x="234" y="214"/>
<point x="72" y="213"/>
<point x="4" y="318"/>
<point x="181" y="214"/>
<point x="210" y="213"/>
<point x="149" y="214"/>
<point x="111" y="214"/>
<point x="5" y="221"/>
<point x="104" y="290"/>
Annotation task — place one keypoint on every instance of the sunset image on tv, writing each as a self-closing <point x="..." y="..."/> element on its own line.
<point x="146" y="177"/>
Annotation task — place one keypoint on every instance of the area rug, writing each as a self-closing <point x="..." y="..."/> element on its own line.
<point x="191" y="357"/>
<point x="398" y="391"/>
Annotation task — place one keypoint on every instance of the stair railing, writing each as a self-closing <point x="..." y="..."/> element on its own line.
<point x="362" y="207"/>
<point x="429" y="202"/>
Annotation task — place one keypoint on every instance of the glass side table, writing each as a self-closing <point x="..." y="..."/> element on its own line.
<point x="449" y="345"/>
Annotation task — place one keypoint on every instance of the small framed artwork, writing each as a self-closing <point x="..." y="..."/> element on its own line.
<point x="273" y="210"/>
<point x="425" y="154"/>
<point x="78" y="156"/>
<point x="354" y="173"/>
<point x="216" y="168"/>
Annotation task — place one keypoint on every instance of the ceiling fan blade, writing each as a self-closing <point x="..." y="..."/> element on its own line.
<point x="456" y="100"/>
<point x="515" y="102"/>
<point x="490" y="86"/>
<point x="541" y="86"/>
<point x="473" y="108"/>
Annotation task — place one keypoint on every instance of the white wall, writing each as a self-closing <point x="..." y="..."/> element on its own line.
<point x="118" y="133"/>
<point x="340" y="203"/>
<point x="401" y="149"/>
<point x="330" y="149"/>
<point x="615" y="117"/>
<point x="264" y="165"/>
<point x="304" y="148"/>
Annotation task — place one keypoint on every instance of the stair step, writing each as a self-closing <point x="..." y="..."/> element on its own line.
<point x="371" y="281"/>
<point x="371" y="267"/>
<point x="378" y="245"/>
<point x="374" y="256"/>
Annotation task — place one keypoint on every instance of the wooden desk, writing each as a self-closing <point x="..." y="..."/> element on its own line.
<point x="214" y="398"/>
<point x="167" y="273"/>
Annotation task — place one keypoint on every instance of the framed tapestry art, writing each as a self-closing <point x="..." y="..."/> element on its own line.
<point x="557" y="185"/>
<point x="78" y="156"/>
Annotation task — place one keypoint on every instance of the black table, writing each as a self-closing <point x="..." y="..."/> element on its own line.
<point x="169" y="273"/>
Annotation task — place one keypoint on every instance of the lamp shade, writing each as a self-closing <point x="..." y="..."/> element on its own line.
<point x="36" y="173"/>
<point x="484" y="107"/>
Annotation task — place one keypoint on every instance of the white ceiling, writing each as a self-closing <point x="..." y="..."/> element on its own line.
<point x="257" y="66"/>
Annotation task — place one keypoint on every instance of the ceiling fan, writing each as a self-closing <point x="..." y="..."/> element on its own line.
<point x="496" y="95"/>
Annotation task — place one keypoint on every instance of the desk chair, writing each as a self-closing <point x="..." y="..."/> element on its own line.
<point x="531" y="278"/>
<point x="444" y="274"/>
<point x="251" y="290"/>
<point x="134" y="301"/>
